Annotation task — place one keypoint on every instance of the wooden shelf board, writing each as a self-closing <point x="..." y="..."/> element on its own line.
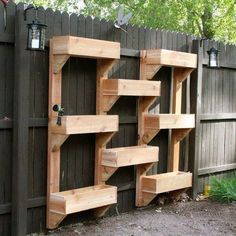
<point x="170" y="58"/>
<point x="127" y="156"/>
<point x="124" y="87"/>
<point x="82" y="199"/>
<point x="169" y="121"/>
<point x="84" y="47"/>
<point x="85" y="124"/>
<point x="166" y="182"/>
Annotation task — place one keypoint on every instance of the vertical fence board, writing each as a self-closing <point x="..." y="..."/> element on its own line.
<point x="20" y="128"/>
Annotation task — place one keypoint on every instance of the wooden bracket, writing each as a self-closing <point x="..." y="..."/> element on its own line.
<point x="179" y="134"/>
<point x="142" y="170"/>
<point x="147" y="72"/>
<point x="101" y="211"/>
<point x="107" y="172"/>
<point x="104" y="103"/>
<point x="58" y="62"/>
<point x="54" y="219"/>
<point x="104" y="66"/>
<point x="101" y="174"/>
<point x="149" y="134"/>
<point x="146" y="198"/>
<point x="181" y="74"/>
<point x="108" y="101"/>
<point x="57" y="140"/>
<point x="103" y="138"/>
<point x="146" y="102"/>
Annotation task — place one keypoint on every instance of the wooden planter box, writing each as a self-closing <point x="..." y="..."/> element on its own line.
<point x="85" y="47"/>
<point x="169" y="121"/>
<point x="82" y="199"/>
<point x="171" y="58"/>
<point x="166" y="182"/>
<point x="127" y="156"/>
<point x="85" y="124"/>
<point x="123" y="87"/>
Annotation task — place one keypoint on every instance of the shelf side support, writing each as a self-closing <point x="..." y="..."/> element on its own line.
<point x="53" y="175"/>
<point x="147" y="71"/>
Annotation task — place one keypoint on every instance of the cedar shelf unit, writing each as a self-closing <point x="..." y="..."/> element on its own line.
<point x="108" y="92"/>
<point x="151" y="61"/>
<point x="100" y="196"/>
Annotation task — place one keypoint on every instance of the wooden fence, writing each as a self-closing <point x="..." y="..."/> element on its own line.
<point x="23" y="114"/>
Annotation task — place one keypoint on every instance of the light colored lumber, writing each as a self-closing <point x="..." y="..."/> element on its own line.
<point x="144" y="103"/>
<point x="101" y="173"/>
<point x="171" y="58"/>
<point x="101" y="211"/>
<point x="176" y="136"/>
<point x="53" y="162"/>
<point x="58" y="62"/>
<point x="84" y="47"/>
<point x="82" y="199"/>
<point x="124" y="87"/>
<point x="169" y="121"/>
<point x="85" y="124"/>
<point x="105" y="173"/>
<point x="147" y="72"/>
<point x="127" y="156"/>
<point x="166" y="182"/>
<point x="57" y="140"/>
<point x="108" y="102"/>
<point x="154" y="123"/>
<point x="104" y="103"/>
<point x="55" y="219"/>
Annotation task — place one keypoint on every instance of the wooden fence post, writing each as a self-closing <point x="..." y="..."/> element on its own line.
<point x="195" y="101"/>
<point x="20" y="128"/>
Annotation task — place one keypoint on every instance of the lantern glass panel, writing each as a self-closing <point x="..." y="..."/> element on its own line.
<point x="35" y="34"/>
<point x="213" y="60"/>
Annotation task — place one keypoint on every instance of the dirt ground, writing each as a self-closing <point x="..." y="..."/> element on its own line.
<point x="180" y="218"/>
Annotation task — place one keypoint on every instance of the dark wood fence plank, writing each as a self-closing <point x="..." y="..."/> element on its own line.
<point x="20" y="128"/>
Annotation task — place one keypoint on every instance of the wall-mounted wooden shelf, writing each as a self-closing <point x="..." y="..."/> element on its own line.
<point x="112" y="89"/>
<point x="85" y="47"/>
<point x="59" y="204"/>
<point x="125" y="87"/>
<point x="85" y="124"/>
<point x="127" y="156"/>
<point x="166" y="182"/>
<point x="154" y="123"/>
<point x="151" y="61"/>
<point x="77" y="200"/>
<point x="171" y="58"/>
<point x="82" y="199"/>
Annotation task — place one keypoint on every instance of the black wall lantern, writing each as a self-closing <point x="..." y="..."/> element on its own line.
<point x="213" y="58"/>
<point x="36" y="32"/>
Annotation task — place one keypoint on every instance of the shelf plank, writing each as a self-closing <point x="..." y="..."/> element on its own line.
<point x="82" y="199"/>
<point x="166" y="182"/>
<point x="154" y="123"/>
<point x="169" y="121"/>
<point x="84" y="47"/>
<point x="85" y="124"/>
<point x="127" y="156"/>
<point x="170" y="58"/>
<point x="123" y="87"/>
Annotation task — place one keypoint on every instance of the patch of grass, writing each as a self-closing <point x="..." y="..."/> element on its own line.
<point x="223" y="190"/>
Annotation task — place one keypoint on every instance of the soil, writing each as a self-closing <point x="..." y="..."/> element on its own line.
<point x="177" y="218"/>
